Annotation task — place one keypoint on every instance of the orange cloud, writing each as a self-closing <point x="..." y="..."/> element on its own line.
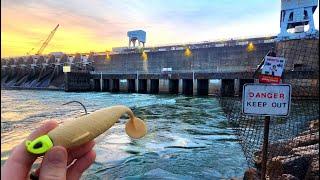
<point x="20" y="32"/>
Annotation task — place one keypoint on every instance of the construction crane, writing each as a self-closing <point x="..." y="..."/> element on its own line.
<point x="44" y="45"/>
<point x="30" y="51"/>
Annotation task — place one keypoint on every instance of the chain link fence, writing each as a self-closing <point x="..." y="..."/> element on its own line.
<point x="293" y="140"/>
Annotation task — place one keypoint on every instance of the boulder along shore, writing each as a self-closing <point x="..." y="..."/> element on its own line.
<point x="294" y="159"/>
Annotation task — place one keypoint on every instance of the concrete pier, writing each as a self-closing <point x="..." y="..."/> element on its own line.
<point x="106" y="85"/>
<point x="242" y="82"/>
<point x="187" y="87"/>
<point x="173" y="86"/>
<point x="96" y="85"/>
<point x="227" y="88"/>
<point x="131" y="84"/>
<point x="154" y="86"/>
<point x="115" y="85"/>
<point x="175" y="83"/>
<point x="202" y="87"/>
<point x="143" y="86"/>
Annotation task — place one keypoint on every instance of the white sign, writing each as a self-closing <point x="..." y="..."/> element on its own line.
<point x="66" y="69"/>
<point x="166" y="69"/>
<point x="266" y="99"/>
<point x="273" y="66"/>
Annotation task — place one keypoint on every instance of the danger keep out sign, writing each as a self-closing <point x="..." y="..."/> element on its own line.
<point x="266" y="99"/>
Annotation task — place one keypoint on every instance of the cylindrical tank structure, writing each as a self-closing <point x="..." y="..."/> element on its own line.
<point x="51" y="59"/>
<point x="19" y="61"/>
<point x="4" y="62"/>
<point x="10" y="61"/>
<point x="71" y="59"/>
<point x="39" y="60"/>
<point x="63" y="59"/>
<point x="28" y="60"/>
<point x="77" y="58"/>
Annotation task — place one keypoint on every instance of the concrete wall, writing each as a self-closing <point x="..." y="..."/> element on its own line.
<point x="301" y="55"/>
<point x="230" y="58"/>
<point x="75" y="81"/>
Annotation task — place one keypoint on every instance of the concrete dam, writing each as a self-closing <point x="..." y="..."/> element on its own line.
<point x="36" y="72"/>
<point x="187" y="69"/>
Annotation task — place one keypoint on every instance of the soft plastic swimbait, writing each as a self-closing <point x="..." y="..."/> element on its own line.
<point x="85" y="128"/>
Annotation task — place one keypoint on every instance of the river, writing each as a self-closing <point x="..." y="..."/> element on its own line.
<point x="188" y="137"/>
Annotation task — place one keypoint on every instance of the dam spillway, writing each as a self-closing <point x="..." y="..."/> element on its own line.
<point x="233" y="62"/>
<point x="37" y="72"/>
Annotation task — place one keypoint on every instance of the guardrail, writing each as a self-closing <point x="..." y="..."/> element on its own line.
<point x="218" y="70"/>
<point x="198" y="45"/>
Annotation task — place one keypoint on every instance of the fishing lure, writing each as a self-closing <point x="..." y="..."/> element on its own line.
<point x="85" y="128"/>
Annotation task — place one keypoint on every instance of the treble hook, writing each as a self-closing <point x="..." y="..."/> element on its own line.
<point x="79" y="103"/>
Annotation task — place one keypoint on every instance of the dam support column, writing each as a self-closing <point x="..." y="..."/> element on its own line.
<point x="187" y="87"/>
<point x="96" y="85"/>
<point x="154" y="86"/>
<point x="173" y="86"/>
<point x="242" y="82"/>
<point x="227" y="88"/>
<point x="202" y="87"/>
<point x="143" y="86"/>
<point x="106" y="85"/>
<point x="115" y="86"/>
<point x="131" y="85"/>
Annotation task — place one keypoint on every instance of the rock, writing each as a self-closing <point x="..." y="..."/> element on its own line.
<point x="313" y="171"/>
<point x="288" y="177"/>
<point x="251" y="174"/>
<point x="294" y="165"/>
<point x="309" y="132"/>
<point x="281" y="148"/>
<point x="306" y="151"/>
<point x="314" y="124"/>
<point x="292" y="159"/>
<point x="304" y="140"/>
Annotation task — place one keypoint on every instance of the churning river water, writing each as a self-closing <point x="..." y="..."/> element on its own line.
<point x="188" y="137"/>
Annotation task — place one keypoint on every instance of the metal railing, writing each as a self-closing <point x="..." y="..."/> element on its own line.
<point x="218" y="70"/>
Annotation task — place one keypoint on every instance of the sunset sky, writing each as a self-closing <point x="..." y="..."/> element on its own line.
<point x="93" y="25"/>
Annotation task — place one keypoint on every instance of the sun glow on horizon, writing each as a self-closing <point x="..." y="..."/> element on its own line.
<point x="25" y="25"/>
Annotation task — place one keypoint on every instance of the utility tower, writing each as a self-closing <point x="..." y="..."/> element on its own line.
<point x="138" y="35"/>
<point x="295" y="16"/>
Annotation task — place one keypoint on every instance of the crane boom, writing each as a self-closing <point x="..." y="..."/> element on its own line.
<point x="30" y="51"/>
<point x="44" y="45"/>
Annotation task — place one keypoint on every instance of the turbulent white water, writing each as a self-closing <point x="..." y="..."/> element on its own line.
<point x="188" y="137"/>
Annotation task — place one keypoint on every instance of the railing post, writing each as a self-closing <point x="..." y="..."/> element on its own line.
<point x="193" y="76"/>
<point x="137" y="86"/>
<point x="101" y="81"/>
<point x="265" y="147"/>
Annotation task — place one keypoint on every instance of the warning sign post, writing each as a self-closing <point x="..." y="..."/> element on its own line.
<point x="267" y="99"/>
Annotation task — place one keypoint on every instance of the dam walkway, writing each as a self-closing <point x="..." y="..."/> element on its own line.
<point x="173" y="82"/>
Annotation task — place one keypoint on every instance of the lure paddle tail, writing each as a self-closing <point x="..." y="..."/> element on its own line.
<point x="85" y="128"/>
